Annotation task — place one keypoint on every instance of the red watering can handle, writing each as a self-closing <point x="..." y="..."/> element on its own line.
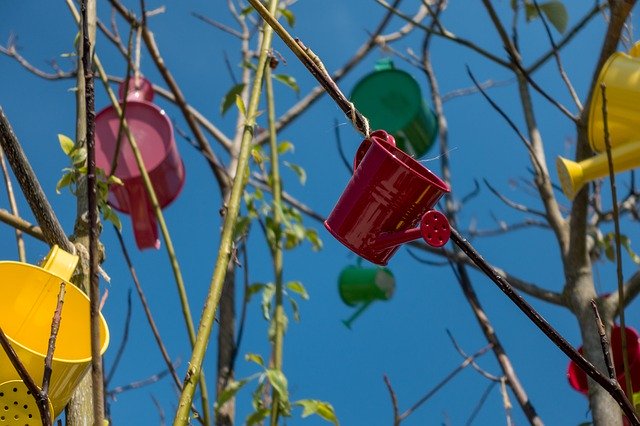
<point x="381" y="136"/>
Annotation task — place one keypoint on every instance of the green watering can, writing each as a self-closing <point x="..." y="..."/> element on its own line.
<point x="359" y="285"/>
<point x="391" y="99"/>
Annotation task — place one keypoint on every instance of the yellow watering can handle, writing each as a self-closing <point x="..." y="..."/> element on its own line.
<point x="635" y="50"/>
<point x="60" y="263"/>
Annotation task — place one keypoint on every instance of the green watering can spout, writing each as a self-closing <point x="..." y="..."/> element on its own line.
<point x="356" y="314"/>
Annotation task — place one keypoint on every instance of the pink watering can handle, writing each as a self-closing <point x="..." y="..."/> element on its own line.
<point x="145" y="227"/>
<point x="381" y="135"/>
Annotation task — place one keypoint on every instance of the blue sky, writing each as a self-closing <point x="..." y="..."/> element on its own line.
<point x="404" y="338"/>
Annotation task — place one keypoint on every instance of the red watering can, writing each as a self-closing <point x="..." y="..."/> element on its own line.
<point x="387" y="197"/>
<point x="578" y="379"/>
<point x="153" y="132"/>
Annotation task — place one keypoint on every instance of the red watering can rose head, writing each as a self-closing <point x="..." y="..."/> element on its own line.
<point x="387" y="197"/>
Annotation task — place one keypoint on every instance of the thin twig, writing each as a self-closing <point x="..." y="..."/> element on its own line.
<point x="137" y="385"/>
<point x="46" y="218"/>
<point x="217" y="24"/>
<point x="343" y="156"/>
<point x="480" y="403"/>
<point x="612" y="388"/>
<point x="513" y="204"/>
<point x="443" y="382"/>
<point x="394" y="400"/>
<point x="41" y="400"/>
<point x="123" y="342"/>
<point x="556" y="55"/>
<point x="475" y="365"/>
<point x="21" y="224"/>
<point x="14" y="207"/>
<point x="55" y="326"/>
<point x="569" y="35"/>
<point x="616" y="222"/>
<point x="149" y="316"/>
<point x="97" y="374"/>
<point x="447" y="35"/>
<point x="604" y="342"/>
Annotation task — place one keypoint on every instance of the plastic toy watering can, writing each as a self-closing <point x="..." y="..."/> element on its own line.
<point x="621" y="75"/>
<point x="391" y="99"/>
<point x="154" y="135"/>
<point x="359" y="285"/>
<point x="388" y="195"/>
<point x="578" y="379"/>
<point x="28" y="302"/>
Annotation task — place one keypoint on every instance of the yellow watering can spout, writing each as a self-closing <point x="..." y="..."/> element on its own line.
<point x="60" y="263"/>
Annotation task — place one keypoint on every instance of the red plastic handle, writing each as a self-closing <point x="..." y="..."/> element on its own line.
<point x="379" y="135"/>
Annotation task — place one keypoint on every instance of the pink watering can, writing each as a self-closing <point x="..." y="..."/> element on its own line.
<point x="387" y="202"/>
<point x="153" y="132"/>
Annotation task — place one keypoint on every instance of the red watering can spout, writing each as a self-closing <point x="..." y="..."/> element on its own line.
<point x="145" y="226"/>
<point x="387" y="202"/>
<point x="434" y="229"/>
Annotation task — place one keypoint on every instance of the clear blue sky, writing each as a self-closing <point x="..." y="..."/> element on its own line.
<point x="404" y="338"/>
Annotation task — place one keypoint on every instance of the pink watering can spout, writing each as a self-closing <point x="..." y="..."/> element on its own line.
<point x="153" y="133"/>
<point x="388" y="201"/>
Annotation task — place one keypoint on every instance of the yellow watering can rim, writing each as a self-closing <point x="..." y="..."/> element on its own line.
<point x="70" y="287"/>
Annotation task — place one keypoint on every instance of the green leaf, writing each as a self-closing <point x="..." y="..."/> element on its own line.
<point x="229" y="392"/>
<point x="302" y="175"/>
<point x="267" y="296"/>
<point x="115" y="180"/>
<point x="626" y="243"/>
<point x="319" y="408"/>
<point x="240" y="105"/>
<point x="289" y="81"/>
<point x="65" y="181"/>
<point x="247" y="10"/>
<point x="554" y="10"/>
<point x="314" y="239"/>
<point x="297" y="287"/>
<point x="285" y="146"/>
<point x="111" y="216"/>
<point x="257" y="416"/>
<point x="289" y="16"/>
<point x="253" y="289"/>
<point x="66" y="143"/>
<point x="279" y="382"/>
<point x="78" y="156"/>
<point x="230" y="97"/>
<point x="241" y="227"/>
<point x="256" y="154"/>
<point x="254" y="358"/>
<point x="295" y="309"/>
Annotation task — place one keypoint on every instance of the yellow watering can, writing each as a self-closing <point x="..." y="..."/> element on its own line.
<point x="28" y="299"/>
<point x="621" y="76"/>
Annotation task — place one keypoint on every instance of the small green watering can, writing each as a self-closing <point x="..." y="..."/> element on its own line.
<point x="359" y="285"/>
<point x="391" y="99"/>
